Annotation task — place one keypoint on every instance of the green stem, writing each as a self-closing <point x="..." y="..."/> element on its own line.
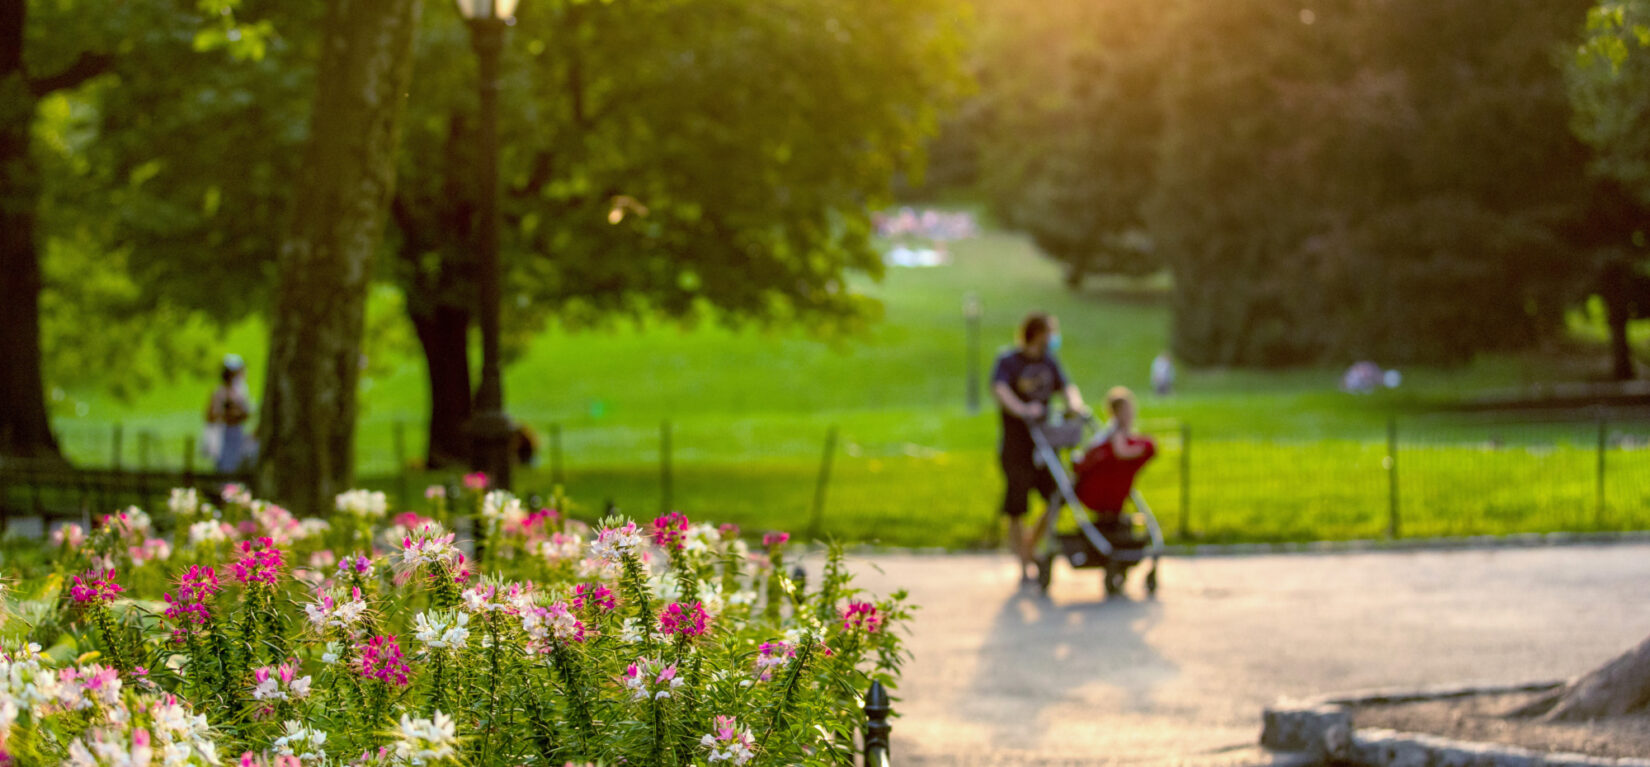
<point x="111" y="638"/>
<point x="578" y="700"/>
<point x="787" y="698"/>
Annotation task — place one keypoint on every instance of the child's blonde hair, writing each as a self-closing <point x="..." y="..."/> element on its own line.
<point x="1116" y="396"/>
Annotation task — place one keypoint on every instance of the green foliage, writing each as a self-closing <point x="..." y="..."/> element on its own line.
<point x="673" y="157"/>
<point x="1070" y="119"/>
<point x="561" y="644"/>
<point x="1365" y="181"/>
<point x="1609" y="92"/>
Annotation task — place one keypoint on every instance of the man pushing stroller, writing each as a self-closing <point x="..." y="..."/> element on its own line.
<point x="1023" y="380"/>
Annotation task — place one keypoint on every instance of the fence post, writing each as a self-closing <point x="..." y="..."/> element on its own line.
<point x="1392" y="476"/>
<point x="878" y="732"/>
<point x="816" y="519"/>
<point x="556" y="478"/>
<point x="144" y="440"/>
<point x="114" y="447"/>
<point x="1603" y="439"/>
<point x="1185" y="481"/>
<point x="971" y="322"/>
<point x="400" y="435"/>
<point x="665" y="489"/>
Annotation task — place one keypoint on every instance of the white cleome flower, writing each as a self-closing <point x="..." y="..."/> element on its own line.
<point x="501" y="506"/>
<point x="302" y="742"/>
<point x="426" y="741"/>
<point x="183" y="502"/>
<point x="440" y="631"/>
<point x="366" y="504"/>
<point x="210" y="531"/>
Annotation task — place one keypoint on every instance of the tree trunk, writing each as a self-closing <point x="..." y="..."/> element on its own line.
<point x="1617" y="687"/>
<point x="25" y="429"/>
<point x="343" y="192"/>
<point x="1621" y="357"/>
<point x="1616" y="288"/>
<point x="444" y="334"/>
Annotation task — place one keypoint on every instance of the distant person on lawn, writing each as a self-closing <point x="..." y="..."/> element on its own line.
<point x="1023" y="380"/>
<point x="228" y="411"/>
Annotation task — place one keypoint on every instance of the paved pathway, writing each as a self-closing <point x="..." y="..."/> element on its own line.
<point x="1003" y="676"/>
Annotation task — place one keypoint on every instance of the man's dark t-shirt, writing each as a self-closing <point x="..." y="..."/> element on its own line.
<point x="1032" y="380"/>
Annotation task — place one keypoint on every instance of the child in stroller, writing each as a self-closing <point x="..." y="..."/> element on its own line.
<point x="1102" y="480"/>
<point x="1105" y="470"/>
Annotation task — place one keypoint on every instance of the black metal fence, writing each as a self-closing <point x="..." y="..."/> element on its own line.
<point x="1409" y="476"/>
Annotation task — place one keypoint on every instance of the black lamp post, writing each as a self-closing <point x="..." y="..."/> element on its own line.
<point x="490" y="429"/>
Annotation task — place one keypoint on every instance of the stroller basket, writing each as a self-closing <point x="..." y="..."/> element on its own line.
<point x="1126" y="546"/>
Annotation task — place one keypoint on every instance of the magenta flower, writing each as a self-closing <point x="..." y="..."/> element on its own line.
<point x="686" y="621"/>
<point x="95" y="586"/>
<point x="381" y="659"/>
<point x="772" y="657"/>
<point x="669" y="530"/>
<point x="476" y="481"/>
<point x="542" y="515"/>
<point x="775" y="539"/>
<point x="594" y="595"/>
<point x="357" y="564"/>
<point x="260" y="562"/>
<point x="188" y="607"/>
<point x="729" y="530"/>
<point x="861" y="615"/>
<point x="435" y="491"/>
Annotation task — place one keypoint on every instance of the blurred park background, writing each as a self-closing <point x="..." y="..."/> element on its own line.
<point x="700" y="312"/>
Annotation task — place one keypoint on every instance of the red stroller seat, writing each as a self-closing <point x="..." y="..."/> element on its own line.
<point x="1104" y="480"/>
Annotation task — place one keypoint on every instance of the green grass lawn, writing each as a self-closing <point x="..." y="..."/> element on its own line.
<point x="1274" y="455"/>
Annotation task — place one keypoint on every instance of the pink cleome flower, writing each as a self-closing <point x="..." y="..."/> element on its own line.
<point x="669" y="530"/>
<point x="476" y="481"/>
<point x="771" y="657"/>
<point x="594" y="595"/>
<point x="260" y="562"/>
<point x="188" y="607"/>
<point x="861" y="615"/>
<point x="686" y="621"/>
<point x="381" y="659"/>
<point x="775" y="539"/>
<point x="729" y="530"/>
<point x="95" y="586"/>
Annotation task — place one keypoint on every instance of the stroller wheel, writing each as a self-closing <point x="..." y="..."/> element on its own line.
<point x="1045" y="571"/>
<point x="1114" y="579"/>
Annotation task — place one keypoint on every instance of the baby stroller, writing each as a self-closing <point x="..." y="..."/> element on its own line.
<point x="1101" y="485"/>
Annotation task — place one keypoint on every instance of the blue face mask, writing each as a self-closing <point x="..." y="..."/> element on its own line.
<point x="1054" y="343"/>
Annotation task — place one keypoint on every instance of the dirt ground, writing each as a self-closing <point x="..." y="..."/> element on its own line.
<point x="1480" y="718"/>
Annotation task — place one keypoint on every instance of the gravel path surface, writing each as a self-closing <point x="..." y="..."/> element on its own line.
<point x="1005" y="676"/>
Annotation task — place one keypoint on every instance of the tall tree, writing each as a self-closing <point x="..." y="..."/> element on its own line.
<point x="1071" y="117"/>
<point x="26" y="78"/>
<point x="344" y="186"/>
<point x="1609" y="91"/>
<point x="1364" y="179"/>
<point x="696" y="159"/>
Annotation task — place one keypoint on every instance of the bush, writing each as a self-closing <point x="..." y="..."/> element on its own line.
<point x="374" y="640"/>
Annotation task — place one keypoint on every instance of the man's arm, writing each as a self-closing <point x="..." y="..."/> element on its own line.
<point x="1074" y="399"/>
<point x="1005" y="397"/>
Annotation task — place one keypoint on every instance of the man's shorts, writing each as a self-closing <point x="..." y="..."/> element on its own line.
<point x="1023" y="475"/>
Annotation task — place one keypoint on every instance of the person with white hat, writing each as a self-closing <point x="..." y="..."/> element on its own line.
<point x="227" y="413"/>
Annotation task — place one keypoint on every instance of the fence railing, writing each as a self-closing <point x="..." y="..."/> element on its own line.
<point x="1409" y="476"/>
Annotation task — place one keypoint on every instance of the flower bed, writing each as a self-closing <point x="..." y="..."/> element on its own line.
<point x="253" y="637"/>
